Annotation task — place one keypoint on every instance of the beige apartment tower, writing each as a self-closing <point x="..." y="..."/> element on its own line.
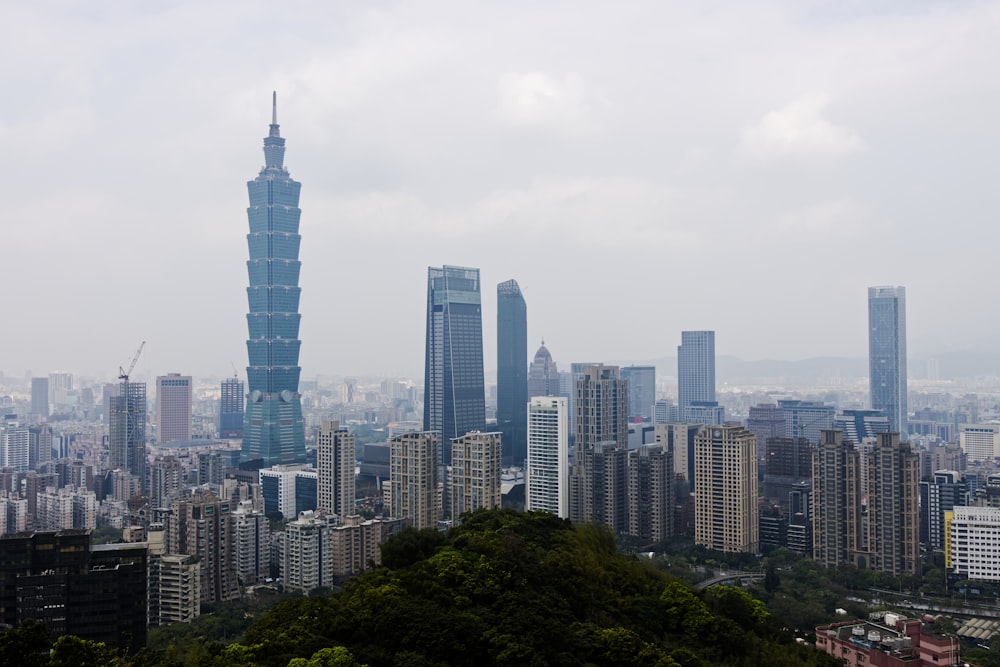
<point x="173" y="407"/>
<point x="836" y="500"/>
<point x="725" y="497"/>
<point x="475" y="473"/>
<point x="413" y="478"/>
<point x="893" y="507"/>
<point x="335" y="461"/>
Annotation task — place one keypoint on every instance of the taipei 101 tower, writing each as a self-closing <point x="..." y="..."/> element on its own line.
<point x="272" y="429"/>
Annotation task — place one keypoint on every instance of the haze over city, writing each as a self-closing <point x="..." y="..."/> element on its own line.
<point x="639" y="168"/>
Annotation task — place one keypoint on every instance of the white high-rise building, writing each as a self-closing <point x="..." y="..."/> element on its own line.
<point x="173" y="407"/>
<point x="306" y="556"/>
<point x="252" y="539"/>
<point x="546" y="479"/>
<point x="972" y="547"/>
<point x="980" y="442"/>
<point x="335" y="464"/>
<point x="725" y="497"/>
<point x="15" y="443"/>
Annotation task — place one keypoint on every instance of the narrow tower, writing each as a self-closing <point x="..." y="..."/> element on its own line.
<point x="273" y="430"/>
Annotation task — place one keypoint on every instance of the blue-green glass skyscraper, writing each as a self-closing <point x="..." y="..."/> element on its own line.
<point x="272" y="430"/>
<point x="512" y="372"/>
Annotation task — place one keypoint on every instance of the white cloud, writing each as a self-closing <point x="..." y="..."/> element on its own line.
<point x="537" y="99"/>
<point x="797" y="132"/>
<point x="836" y="218"/>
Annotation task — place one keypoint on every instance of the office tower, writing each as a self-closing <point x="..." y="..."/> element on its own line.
<point x="893" y="507"/>
<point x="306" y="561"/>
<point x="60" y="384"/>
<point x="512" y="372"/>
<point x="475" y="473"/>
<point x="166" y="480"/>
<point x="887" y="353"/>
<point x="201" y="525"/>
<point x="335" y="462"/>
<point x="231" y="409"/>
<point x="543" y="375"/>
<point x="285" y="489"/>
<point x="601" y="407"/>
<point x="695" y="368"/>
<point x="973" y="543"/>
<point x="766" y="420"/>
<point x="252" y="539"/>
<point x="788" y="464"/>
<point x="980" y="442"/>
<point x="454" y="391"/>
<point x="858" y="424"/>
<point x="40" y="398"/>
<point x="836" y="500"/>
<point x="546" y="478"/>
<point x="651" y="493"/>
<point x="39" y="445"/>
<point x="942" y="493"/>
<point x="273" y="430"/>
<point x="413" y="481"/>
<point x="806" y="419"/>
<point x="96" y="592"/>
<point x="127" y="430"/>
<point x="173" y="407"/>
<point x="641" y="391"/>
<point x="725" y="496"/>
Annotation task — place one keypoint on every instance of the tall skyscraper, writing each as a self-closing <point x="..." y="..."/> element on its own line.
<point x="543" y="375"/>
<point x="887" y="353"/>
<point x="454" y="390"/>
<point x="273" y="428"/>
<point x="546" y="477"/>
<point x="475" y="473"/>
<point x="512" y="372"/>
<point x="335" y="459"/>
<point x="651" y="493"/>
<point x="231" y="409"/>
<point x="725" y="496"/>
<point x="641" y="391"/>
<point x="173" y="407"/>
<point x="127" y="430"/>
<point x="40" y="398"/>
<point x="202" y="525"/>
<point x="695" y="368"/>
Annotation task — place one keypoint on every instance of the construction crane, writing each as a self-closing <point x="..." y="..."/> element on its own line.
<point x="122" y="373"/>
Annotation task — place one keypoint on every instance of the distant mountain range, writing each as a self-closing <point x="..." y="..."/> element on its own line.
<point x="822" y="370"/>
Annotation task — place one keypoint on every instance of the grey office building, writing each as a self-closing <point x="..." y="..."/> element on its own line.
<point x="695" y="368"/>
<point x="641" y="391"/>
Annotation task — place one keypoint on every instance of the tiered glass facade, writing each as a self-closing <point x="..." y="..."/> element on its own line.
<point x="273" y="429"/>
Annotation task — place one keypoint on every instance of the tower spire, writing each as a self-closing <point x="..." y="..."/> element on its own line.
<point x="274" y="107"/>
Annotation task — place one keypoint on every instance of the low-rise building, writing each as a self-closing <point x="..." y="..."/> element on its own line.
<point x="892" y="641"/>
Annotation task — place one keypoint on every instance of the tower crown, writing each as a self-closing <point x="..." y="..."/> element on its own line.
<point x="274" y="144"/>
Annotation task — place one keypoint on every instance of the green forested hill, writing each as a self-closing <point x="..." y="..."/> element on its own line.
<point x="508" y="588"/>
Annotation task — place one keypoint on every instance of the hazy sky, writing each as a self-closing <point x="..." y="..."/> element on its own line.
<point x="639" y="167"/>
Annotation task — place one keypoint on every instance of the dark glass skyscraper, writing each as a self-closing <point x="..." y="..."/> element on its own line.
<point x="512" y="372"/>
<point x="454" y="392"/>
<point x="887" y="354"/>
<point x="231" y="411"/>
<point x="273" y="429"/>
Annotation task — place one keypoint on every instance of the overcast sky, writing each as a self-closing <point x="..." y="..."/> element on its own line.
<point x="640" y="168"/>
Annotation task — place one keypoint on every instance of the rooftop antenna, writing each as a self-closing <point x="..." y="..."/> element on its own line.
<point x="274" y="107"/>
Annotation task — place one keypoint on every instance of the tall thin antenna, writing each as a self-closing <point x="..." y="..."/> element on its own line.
<point x="274" y="107"/>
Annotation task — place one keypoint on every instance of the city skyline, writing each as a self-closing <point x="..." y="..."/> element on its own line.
<point x="785" y="150"/>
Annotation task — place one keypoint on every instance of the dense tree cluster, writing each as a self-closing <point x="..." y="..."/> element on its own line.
<point x="509" y="588"/>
